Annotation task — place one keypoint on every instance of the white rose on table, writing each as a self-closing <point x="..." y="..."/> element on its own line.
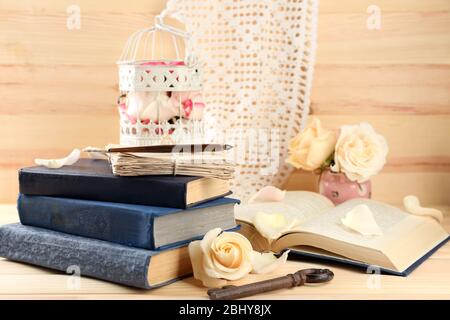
<point x="223" y="256"/>
<point x="312" y="147"/>
<point x="360" y="152"/>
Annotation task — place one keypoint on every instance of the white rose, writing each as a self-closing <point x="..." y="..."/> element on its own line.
<point x="220" y="257"/>
<point x="223" y="256"/>
<point x="360" y="152"/>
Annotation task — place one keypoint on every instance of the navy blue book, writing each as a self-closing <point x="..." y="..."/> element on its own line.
<point x="147" y="227"/>
<point x="401" y="243"/>
<point x="94" y="258"/>
<point x="93" y="180"/>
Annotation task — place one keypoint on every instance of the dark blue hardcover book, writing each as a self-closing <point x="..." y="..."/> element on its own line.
<point x="94" y="258"/>
<point x="93" y="180"/>
<point x="147" y="227"/>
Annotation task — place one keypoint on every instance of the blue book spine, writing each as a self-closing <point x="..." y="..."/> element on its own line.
<point x="125" y="224"/>
<point x="130" y="225"/>
<point x="93" y="180"/>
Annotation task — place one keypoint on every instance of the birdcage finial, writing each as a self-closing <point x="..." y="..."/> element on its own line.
<point x="160" y="25"/>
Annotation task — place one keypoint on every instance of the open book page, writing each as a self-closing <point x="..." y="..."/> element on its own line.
<point x="304" y="205"/>
<point x="330" y="225"/>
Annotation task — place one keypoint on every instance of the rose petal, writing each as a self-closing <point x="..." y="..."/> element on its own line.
<point x="216" y="268"/>
<point x="208" y="239"/>
<point x="206" y="245"/>
<point x="136" y="102"/>
<point x="272" y="225"/>
<point x="360" y="219"/>
<point x="320" y="149"/>
<point x="122" y="107"/>
<point x="267" y="262"/>
<point x="412" y="205"/>
<point x="196" y="256"/>
<point x="231" y="237"/>
<point x="268" y="194"/>
<point x="241" y="272"/>
<point x="73" y="157"/>
<point x="160" y="109"/>
<point x="228" y="257"/>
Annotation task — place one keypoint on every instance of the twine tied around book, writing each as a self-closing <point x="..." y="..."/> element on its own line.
<point x="175" y="167"/>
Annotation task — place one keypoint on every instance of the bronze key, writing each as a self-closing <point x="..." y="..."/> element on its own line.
<point x="291" y="280"/>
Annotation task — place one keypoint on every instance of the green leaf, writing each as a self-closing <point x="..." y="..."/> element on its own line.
<point x="329" y="162"/>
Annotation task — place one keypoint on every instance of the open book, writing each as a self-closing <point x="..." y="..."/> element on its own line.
<point x="407" y="240"/>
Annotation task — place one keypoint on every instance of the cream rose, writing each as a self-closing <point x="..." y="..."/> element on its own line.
<point x="360" y="152"/>
<point x="310" y="148"/>
<point x="223" y="256"/>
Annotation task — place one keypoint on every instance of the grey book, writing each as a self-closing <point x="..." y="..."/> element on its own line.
<point x="95" y="258"/>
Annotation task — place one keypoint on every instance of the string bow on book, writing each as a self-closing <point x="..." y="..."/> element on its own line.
<point x="209" y="161"/>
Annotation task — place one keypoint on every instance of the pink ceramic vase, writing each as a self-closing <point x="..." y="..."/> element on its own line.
<point x="338" y="188"/>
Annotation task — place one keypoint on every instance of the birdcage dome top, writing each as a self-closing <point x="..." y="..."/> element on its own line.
<point x="140" y="71"/>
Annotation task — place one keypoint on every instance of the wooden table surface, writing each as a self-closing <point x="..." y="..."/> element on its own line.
<point x="430" y="281"/>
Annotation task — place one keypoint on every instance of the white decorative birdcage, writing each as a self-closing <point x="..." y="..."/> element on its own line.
<point x="160" y="99"/>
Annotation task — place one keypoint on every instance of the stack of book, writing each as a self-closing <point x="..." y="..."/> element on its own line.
<point x="129" y="230"/>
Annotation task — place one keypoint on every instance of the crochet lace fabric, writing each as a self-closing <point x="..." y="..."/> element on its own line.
<point x="258" y="58"/>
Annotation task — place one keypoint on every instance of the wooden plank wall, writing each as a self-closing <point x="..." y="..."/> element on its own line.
<point x="58" y="86"/>
<point x="398" y="79"/>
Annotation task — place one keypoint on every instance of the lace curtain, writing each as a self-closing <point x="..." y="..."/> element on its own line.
<point x="258" y="58"/>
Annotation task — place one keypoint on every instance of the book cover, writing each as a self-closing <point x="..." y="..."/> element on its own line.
<point x="92" y="179"/>
<point x="94" y="258"/>
<point x="126" y="224"/>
